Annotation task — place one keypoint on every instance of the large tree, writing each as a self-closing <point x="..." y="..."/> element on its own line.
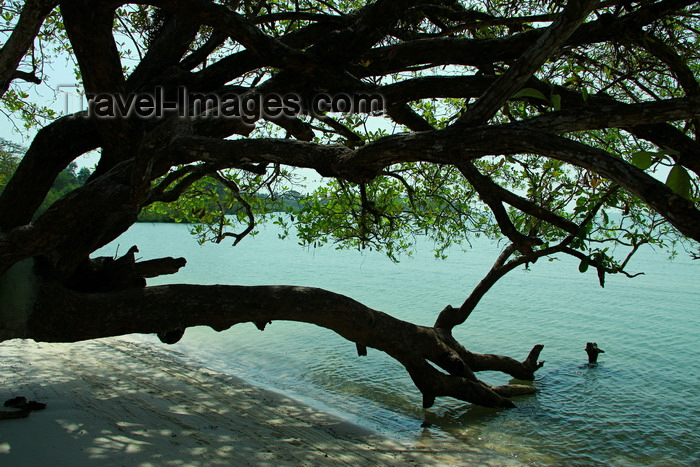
<point x="562" y="128"/>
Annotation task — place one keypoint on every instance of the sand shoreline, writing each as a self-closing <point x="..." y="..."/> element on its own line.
<point x="119" y="402"/>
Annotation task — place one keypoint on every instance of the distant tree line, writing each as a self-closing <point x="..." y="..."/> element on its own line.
<point x="73" y="177"/>
<point x="211" y="200"/>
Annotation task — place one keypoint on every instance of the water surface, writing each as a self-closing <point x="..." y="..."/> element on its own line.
<point x="639" y="406"/>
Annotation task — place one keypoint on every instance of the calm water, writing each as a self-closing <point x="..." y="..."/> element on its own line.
<point x="640" y="406"/>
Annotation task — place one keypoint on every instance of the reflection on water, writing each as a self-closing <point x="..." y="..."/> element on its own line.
<point x="639" y="406"/>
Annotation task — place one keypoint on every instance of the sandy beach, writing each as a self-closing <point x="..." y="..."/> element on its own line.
<point x="119" y="402"/>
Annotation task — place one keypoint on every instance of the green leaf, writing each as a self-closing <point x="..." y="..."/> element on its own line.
<point x="583" y="266"/>
<point x="529" y="92"/>
<point x="643" y="159"/>
<point x="679" y="181"/>
<point x="584" y="94"/>
<point x="556" y="101"/>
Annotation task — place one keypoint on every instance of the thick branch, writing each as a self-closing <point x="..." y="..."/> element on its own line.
<point x="271" y="50"/>
<point x="484" y="186"/>
<point x="528" y="63"/>
<point x="53" y="148"/>
<point x="28" y="77"/>
<point x="683" y="73"/>
<point x="107" y="204"/>
<point x="235" y="65"/>
<point x="373" y="23"/>
<point x="165" y="51"/>
<point x="25" y="31"/>
<point x="106" y="274"/>
<point x="69" y="316"/>
<point x="616" y="115"/>
<point x="449" y="146"/>
<point x="520" y="370"/>
<point x="678" y="211"/>
<point x="477" y="52"/>
<point x="678" y="66"/>
<point x="646" y="120"/>
<point x="89" y="28"/>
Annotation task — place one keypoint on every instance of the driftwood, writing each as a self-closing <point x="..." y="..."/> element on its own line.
<point x="105" y="274"/>
<point x="592" y="350"/>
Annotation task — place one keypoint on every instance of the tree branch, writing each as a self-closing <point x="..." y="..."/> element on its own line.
<point x="54" y="147"/>
<point x="616" y="115"/>
<point x="165" y="308"/>
<point x="164" y="52"/>
<point x="89" y="28"/>
<point x="233" y="188"/>
<point x="685" y="76"/>
<point x="23" y="34"/>
<point x="477" y="52"/>
<point x="484" y="187"/>
<point x="575" y="12"/>
<point x="450" y="146"/>
<point x="271" y="50"/>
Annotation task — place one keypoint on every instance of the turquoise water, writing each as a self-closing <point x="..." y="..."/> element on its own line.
<point x="640" y="406"/>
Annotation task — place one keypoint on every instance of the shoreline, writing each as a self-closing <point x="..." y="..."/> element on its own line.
<point x="119" y="402"/>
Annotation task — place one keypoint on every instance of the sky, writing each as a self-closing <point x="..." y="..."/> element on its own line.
<point x="56" y="92"/>
<point x="59" y="92"/>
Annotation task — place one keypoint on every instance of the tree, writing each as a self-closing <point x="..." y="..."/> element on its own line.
<point x="10" y="154"/>
<point x="83" y="175"/>
<point x="563" y="129"/>
<point x="66" y="181"/>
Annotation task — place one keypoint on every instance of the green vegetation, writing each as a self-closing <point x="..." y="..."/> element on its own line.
<point x="10" y="155"/>
<point x="219" y="201"/>
<point x="67" y="180"/>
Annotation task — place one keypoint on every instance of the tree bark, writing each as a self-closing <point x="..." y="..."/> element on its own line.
<point x="59" y="314"/>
